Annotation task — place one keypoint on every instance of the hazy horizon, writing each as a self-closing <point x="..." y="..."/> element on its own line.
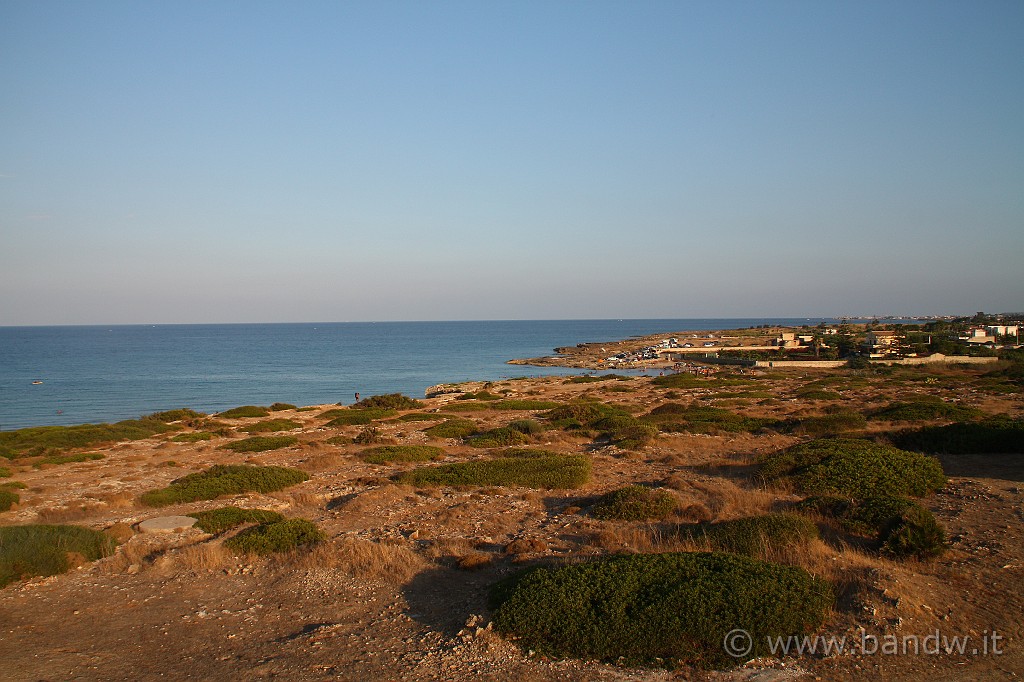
<point x="228" y="162"/>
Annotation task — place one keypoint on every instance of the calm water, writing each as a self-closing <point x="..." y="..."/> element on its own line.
<point x="94" y="374"/>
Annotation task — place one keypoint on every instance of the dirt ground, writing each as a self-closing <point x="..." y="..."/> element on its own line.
<point x="400" y="591"/>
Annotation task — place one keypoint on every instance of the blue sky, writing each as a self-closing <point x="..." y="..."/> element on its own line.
<point x="328" y="161"/>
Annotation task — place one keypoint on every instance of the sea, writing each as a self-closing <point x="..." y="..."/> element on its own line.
<point x="92" y="374"/>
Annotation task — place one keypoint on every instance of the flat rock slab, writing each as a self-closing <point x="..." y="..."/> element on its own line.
<point x="167" y="524"/>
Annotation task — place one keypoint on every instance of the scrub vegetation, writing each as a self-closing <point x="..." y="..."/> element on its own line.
<point x="224" y="480"/>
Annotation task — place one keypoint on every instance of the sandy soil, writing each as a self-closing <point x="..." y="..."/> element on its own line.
<point x="179" y="606"/>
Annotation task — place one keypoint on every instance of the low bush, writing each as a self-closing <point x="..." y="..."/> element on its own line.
<point x="452" y="428"/>
<point x="42" y="440"/>
<point x="225" y="518"/>
<point x="41" y="550"/>
<point x="192" y="437"/>
<point x="547" y="472"/>
<point x="996" y="435"/>
<point x="5" y="472"/>
<point x="420" y="417"/>
<point x="501" y="437"/>
<point x="916" y="534"/>
<point x="673" y="417"/>
<point x="925" y="408"/>
<point x="624" y="431"/>
<point x="818" y="394"/>
<point x="350" y="417"/>
<point x="244" y="412"/>
<point x="832" y="423"/>
<point x="68" y="459"/>
<point x="260" y="443"/>
<point x="577" y="415"/>
<point x="8" y="498"/>
<point x="752" y="535"/>
<point x="903" y="528"/>
<point x="634" y="503"/>
<point x="466" y="407"/>
<point x="280" y="407"/>
<point x="523" y="404"/>
<point x="658" y="609"/>
<point x="277" y="536"/>
<point x="854" y="468"/>
<point x="183" y="414"/>
<point x="271" y="425"/>
<point x="402" y="453"/>
<point x="526" y="426"/>
<point x="390" y="401"/>
<point x="687" y="380"/>
<point x="224" y="480"/>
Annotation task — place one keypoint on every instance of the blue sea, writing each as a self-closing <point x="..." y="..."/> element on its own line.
<point x="110" y="373"/>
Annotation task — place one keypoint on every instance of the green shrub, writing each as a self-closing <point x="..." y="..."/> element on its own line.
<point x="658" y="609"/>
<point x="997" y="435"/>
<point x="5" y="472"/>
<point x="390" y="401"/>
<point x="68" y="459"/>
<point x="579" y="414"/>
<point x="183" y="414"/>
<point x="903" y="528"/>
<point x="626" y="431"/>
<point x="420" y="417"/>
<point x="854" y="468"/>
<point x="41" y="440"/>
<point x="402" y="453"/>
<point x="8" y="498"/>
<point x="752" y="535"/>
<point x="832" y="423"/>
<point x="551" y="472"/>
<point x="703" y="419"/>
<point x="523" y="405"/>
<point x="501" y="437"/>
<point x="527" y="426"/>
<point x="925" y="408"/>
<point x="224" y="480"/>
<point x="277" y="536"/>
<point x="818" y="394"/>
<point x="260" y="443"/>
<point x="915" y="534"/>
<point x="192" y="437"/>
<point x="225" y="518"/>
<point x="466" y="407"/>
<point x="41" y="550"/>
<point x="452" y="428"/>
<point x="271" y="425"/>
<point x="634" y="503"/>
<point x="245" y="411"/>
<point x="350" y="417"/>
<point x="280" y="407"/>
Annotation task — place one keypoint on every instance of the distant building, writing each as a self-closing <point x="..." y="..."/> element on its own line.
<point x="1003" y="330"/>
<point x="977" y="335"/>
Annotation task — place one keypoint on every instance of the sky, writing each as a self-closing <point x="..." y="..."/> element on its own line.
<point x="218" y="161"/>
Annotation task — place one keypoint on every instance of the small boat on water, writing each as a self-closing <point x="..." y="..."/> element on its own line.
<point x="36" y="382"/>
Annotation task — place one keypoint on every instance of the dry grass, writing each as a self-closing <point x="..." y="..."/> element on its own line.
<point x="368" y="560"/>
<point x="205" y="556"/>
<point x="378" y="498"/>
<point x="719" y="498"/>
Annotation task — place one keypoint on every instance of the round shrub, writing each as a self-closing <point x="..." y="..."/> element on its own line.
<point x="500" y="437"/>
<point x="452" y="428"/>
<point x="260" y="443"/>
<point x="854" y="468"/>
<point x="527" y="426"/>
<point x="916" y="533"/>
<point x="224" y="479"/>
<point x="278" y="536"/>
<point x="40" y="549"/>
<point x="390" y="401"/>
<point x="658" y="609"/>
<point x="402" y="453"/>
<point x="225" y="518"/>
<point x="634" y="503"/>
<point x="245" y="411"/>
